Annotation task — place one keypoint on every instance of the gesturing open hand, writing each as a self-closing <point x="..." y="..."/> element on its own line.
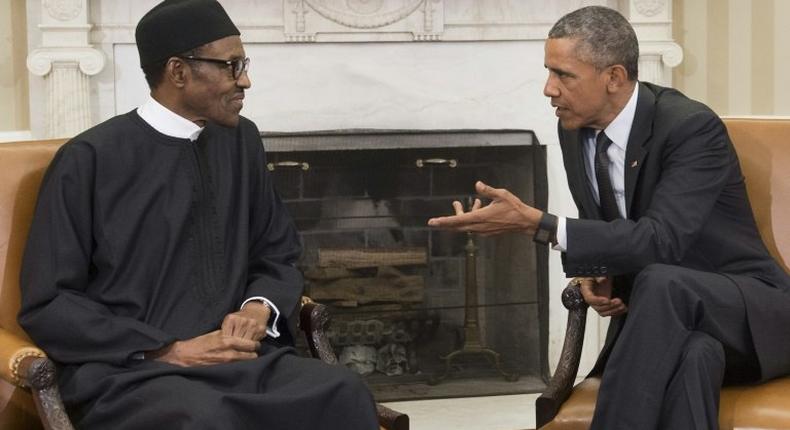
<point x="505" y="213"/>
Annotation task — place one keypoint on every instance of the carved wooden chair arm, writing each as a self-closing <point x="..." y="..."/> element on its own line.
<point x="392" y="420"/>
<point x="26" y="366"/>
<point x="13" y="350"/>
<point x="313" y="320"/>
<point x="561" y="383"/>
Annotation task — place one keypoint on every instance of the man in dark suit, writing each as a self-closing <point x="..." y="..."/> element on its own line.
<point x="666" y="243"/>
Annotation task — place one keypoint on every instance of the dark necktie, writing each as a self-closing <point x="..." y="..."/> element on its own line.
<point x="609" y="210"/>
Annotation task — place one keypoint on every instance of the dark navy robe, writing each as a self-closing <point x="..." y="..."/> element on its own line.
<point x="141" y="239"/>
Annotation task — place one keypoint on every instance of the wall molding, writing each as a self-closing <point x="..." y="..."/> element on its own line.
<point x="66" y="61"/>
<point x="90" y="61"/>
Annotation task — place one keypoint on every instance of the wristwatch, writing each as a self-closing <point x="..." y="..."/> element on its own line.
<point x="547" y="230"/>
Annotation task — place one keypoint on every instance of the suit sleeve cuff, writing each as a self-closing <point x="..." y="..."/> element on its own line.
<point x="562" y="235"/>
<point x="274" y="318"/>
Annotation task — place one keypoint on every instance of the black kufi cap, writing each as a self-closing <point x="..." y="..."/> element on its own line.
<point x="176" y="26"/>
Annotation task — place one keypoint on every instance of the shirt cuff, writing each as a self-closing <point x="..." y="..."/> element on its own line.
<point x="271" y="327"/>
<point x="562" y="236"/>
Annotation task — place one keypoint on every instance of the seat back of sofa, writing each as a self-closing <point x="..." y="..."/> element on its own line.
<point x="22" y="166"/>
<point x="763" y="147"/>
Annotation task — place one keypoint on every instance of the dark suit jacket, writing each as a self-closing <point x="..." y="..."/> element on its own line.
<point x="687" y="206"/>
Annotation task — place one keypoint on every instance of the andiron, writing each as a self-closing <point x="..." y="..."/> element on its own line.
<point x="472" y="344"/>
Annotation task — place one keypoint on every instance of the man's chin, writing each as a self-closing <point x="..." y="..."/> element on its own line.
<point x="570" y="124"/>
<point x="229" y="121"/>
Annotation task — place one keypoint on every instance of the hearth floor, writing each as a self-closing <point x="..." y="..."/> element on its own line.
<point x="513" y="412"/>
<point x="452" y="387"/>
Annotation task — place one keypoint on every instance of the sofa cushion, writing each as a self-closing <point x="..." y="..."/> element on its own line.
<point x="764" y="406"/>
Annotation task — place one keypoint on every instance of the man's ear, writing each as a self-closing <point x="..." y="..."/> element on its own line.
<point x="177" y="71"/>
<point x="618" y="78"/>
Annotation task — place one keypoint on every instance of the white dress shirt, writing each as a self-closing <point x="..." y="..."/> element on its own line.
<point x="172" y="124"/>
<point x="618" y="132"/>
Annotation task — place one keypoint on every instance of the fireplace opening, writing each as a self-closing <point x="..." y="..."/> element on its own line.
<point x="420" y="313"/>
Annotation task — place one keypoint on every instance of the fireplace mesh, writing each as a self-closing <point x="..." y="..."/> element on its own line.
<point x="398" y="289"/>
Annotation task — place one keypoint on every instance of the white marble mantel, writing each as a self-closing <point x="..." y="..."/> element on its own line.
<point x="345" y="64"/>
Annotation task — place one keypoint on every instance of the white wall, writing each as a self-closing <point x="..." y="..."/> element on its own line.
<point x="384" y="85"/>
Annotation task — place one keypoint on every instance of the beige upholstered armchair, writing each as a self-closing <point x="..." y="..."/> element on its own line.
<point x="763" y="147"/>
<point x="29" y="397"/>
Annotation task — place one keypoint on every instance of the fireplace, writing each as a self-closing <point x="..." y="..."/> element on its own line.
<point x="421" y="313"/>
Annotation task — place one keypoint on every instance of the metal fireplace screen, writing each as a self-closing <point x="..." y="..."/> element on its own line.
<point x="420" y="313"/>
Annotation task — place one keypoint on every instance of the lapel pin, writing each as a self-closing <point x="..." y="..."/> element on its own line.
<point x="634" y="163"/>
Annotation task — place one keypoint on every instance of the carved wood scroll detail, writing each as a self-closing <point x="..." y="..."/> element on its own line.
<point x="561" y="384"/>
<point x="40" y="376"/>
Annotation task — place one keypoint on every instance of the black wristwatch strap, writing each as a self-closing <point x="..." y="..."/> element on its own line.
<point x="547" y="230"/>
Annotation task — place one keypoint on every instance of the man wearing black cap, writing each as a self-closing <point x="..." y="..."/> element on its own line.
<point x="159" y="270"/>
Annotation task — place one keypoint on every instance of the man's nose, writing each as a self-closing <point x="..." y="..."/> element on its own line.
<point x="244" y="80"/>
<point x="550" y="90"/>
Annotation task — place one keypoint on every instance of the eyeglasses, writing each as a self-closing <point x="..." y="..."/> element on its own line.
<point x="237" y="65"/>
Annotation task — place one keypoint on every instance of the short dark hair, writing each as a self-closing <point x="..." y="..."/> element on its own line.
<point x="605" y="38"/>
<point x="155" y="72"/>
